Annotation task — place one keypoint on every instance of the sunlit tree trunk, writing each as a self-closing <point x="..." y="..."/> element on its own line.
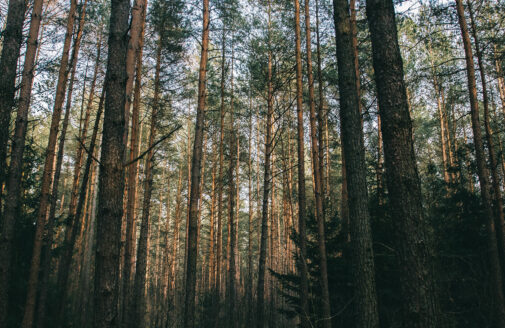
<point x="260" y="316"/>
<point x="134" y="44"/>
<point x="483" y="173"/>
<point x="47" y="175"/>
<point x="495" y="178"/>
<point x="52" y="208"/>
<point x="189" y="306"/>
<point x="323" y="265"/>
<point x="220" y="173"/>
<point x="132" y="169"/>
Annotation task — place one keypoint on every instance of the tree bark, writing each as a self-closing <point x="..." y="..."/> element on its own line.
<point x="363" y="267"/>
<point x="220" y="173"/>
<point x="132" y="175"/>
<point x="323" y="265"/>
<point x="266" y="186"/>
<point x="134" y="45"/>
<point x="13" y="182"/>
<point x="482" y="171"/>
<point x="231" y="288"/>
<point x="48" y="236"/>
<point x="139" y="288"/>
<point x="189" y="308"/>
<point x="495" y="178"/>
<point x="304" y="307"/>
<point x="47" y="175"/>
<point x="411" y="232"/>
<point x="11" y="46"/>
<point x="111" y="179"/>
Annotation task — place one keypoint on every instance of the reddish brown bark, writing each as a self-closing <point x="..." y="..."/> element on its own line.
<point x="132" y="176"/>
<point x="323" y="265"/>
<point x="260" y="316"/>
<point x="138" y="306"/>
<point x="111" y="178"/>
<point x="190" y="279"/>
<point x="47" y="175"/>
<point x="301" y="173"/>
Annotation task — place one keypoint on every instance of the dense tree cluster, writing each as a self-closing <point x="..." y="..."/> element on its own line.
<point x="232" y="163"/>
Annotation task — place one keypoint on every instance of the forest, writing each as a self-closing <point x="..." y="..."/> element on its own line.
<point x="241" y="163"/>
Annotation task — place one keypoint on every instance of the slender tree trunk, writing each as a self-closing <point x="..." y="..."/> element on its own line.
<point x="111" y="179"/>
<point x="232" y="218"/>
<point x="131" y="207"/>
<point x="13" y="181"/>
<point x="189" y="308"/>
<point x="320" y="111"/>
<point x="323" y="265"/>
<point x="48" y="237"/>
<point x="249" y="286"/>
<point x="412" y="234"/>
<point x="175" y="241"/>
<point x="496" y="273"/>
<point x="83" y="134"/>
<point x="138" y="306"/>
<point x="220" y="174"/>
<point x="47" y="174"/>
<point x="11" y="45"/>
<point x="212" y="232"/>
<point x="495" y="179"/>
<point x="134" y="45"/>
<point x="164" y="307"/>
<point x="441" y="115"/>
<point x="266" y="186"/>
<point x="301" y="174"/>
<point x="365" y="294"/>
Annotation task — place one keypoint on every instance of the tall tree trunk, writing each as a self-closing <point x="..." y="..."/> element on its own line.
<point x="111" y="179"/>
<point x="212" y="232"/>
<point x="363" y="268"/>
<point x="48" y="237"/>
<point x="220" y="173"/>
<point x="13" y="182"/>
<point x="74" y="194"/>
<point x="134" y="44"/>
<point x="131" y="207"/>
<point x="232" y="218"/>
<point x="138" y="306"/>
<point x="411" y="232"/>
<point x="249" y="285"/>
<point x="323" y="265"/>
<point x="482" y="170"/>
<point x="304" y="287"/>
<point x="175" y="241"/>
<point x="11" y="45"/>
<point x="495" y="179"/>
<point x="47" y="175"/>
<point x="189" y="308"/>
<point x="260" y="316"/>
<point x="320" y="111"/>
<point x="441" y="114"/>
